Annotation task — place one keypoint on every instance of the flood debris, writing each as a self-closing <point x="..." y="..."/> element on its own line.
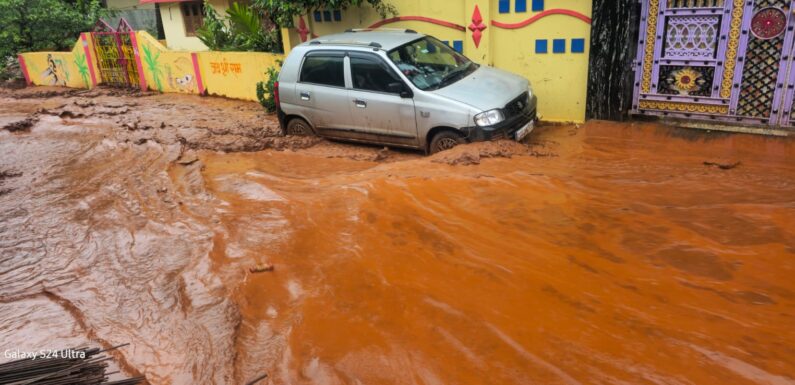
<point x="22" y="125"/>
<point x="722" y="166"/>
<point x="187" y="157"/>
<point x="77" y="366"/>
<point x="261" y="268"/>
<point x="7" y="175"/>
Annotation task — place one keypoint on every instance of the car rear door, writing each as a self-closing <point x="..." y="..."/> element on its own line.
<point x="322" y="94"/>
<point x="375" y="102"/>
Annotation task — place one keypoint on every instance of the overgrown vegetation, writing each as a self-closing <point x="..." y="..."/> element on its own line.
<point x="255" y="27"/>
<point x="44" y="25"/>
<point x="241" y="30"/>
<point x="265" y="89"/>
<point x="283" y="12"/>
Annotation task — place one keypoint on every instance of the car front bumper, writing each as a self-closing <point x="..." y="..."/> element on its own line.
<point x="505" y="129"/>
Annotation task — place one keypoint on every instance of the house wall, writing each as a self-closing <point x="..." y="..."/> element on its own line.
<point x="140" y="16"/>
<point x="235" y="74"/>
<point x="546" y="41"/>
<point x="174" y="27"/>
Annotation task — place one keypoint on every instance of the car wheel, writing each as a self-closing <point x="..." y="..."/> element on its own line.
<point x="299" y="127"/>
<point x="445" y="140"/>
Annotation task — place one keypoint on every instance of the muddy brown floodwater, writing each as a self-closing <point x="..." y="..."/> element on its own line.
<point x="600" y="254"/>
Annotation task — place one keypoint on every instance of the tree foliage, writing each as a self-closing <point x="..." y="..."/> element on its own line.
<point x="283" y="12"/>
<point x="241" y="30"/>
<point x="44" y="25"/>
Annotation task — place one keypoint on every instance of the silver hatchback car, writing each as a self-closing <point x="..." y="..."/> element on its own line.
<point x="399" y="88"/>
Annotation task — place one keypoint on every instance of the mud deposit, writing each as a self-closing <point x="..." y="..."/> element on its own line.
<point x="601" y="254"/>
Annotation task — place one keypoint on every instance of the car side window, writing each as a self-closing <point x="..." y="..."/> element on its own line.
<point x="325" y="70"/>
<point x="371" y="75"/>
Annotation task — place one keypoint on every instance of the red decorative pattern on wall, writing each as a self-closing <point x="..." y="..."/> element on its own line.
<point x="302" y="30"/>
<point x="24" y="69"/>
<point x="540" y="16"/>
<point x="89" y="60"/>
<point x="477" y="26"/>
<point x="419" y="18"/>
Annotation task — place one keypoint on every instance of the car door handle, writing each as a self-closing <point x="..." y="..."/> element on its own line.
<point x="360" y="103"/>
<point x="305" y="96"/>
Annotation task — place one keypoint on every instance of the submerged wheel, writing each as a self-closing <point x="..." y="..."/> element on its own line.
<point x="445" y="140"/>
<point x="299" y="127"/>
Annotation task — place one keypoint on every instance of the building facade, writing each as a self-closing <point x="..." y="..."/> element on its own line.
<point x="181" y="19"/>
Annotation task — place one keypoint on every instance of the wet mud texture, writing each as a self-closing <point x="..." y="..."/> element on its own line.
<point x="600" y="254"/>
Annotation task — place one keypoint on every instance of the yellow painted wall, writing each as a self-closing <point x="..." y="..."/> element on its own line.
<point x="235" y="74"/>
<point x="174" y="27"/>
<point x="166" y="70"/>
<point x="68" y="69"/>
<point x="559" y="79"/>
<point x="230" y="74"/>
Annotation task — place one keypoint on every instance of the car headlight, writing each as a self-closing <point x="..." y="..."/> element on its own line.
<point x="489" y="118"/>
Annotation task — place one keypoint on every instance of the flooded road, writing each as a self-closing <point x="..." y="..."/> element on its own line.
<point x="600" y="254"/>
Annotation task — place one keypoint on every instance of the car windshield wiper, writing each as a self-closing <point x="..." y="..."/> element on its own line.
<point x="453" y="74"/>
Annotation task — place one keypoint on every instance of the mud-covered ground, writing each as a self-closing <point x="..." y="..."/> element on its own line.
<point x="220" y="250"/>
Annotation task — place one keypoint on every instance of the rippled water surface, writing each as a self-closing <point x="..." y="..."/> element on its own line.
<point x="606" y="253"/>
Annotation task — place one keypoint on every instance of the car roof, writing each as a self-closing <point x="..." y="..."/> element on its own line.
<point x="384" y="39"/>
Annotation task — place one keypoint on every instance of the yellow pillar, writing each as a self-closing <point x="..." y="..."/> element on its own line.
<point x="479" y="52"/>
<point x="286" y="41"/>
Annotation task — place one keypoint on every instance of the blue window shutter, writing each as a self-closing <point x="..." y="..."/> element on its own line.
<point x="505" y="6"/>
<point x="337" y="15"/>
<point x="446" y="42"/>
<point x="317" y="16"/>
<point x="458" y="46"/>
<point x="538" y="5"/>
<point x="326" y="15"/>
<point x="541" y="46"/>
<point x="521" y="6"/>
<point x="559" y="46"/>
<point x="577" y="45"/>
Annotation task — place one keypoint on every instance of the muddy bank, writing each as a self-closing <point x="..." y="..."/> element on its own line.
<point x="606" y="253"/>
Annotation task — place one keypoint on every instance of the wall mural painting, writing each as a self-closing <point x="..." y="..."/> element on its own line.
<point x="717" y="59"/>
<point x="152" y="65"/>
<point x="180" y="75"/>
<point x="56" y="73"/>
<point x="82" y="68"/>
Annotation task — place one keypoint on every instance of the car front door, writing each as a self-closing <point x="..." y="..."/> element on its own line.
<point x="380" y="102"/>
<point x="322" y="94"/>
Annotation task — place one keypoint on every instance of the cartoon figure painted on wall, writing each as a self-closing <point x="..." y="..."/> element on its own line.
<point x="182" y="78"/>
<point x="56" y="73"/>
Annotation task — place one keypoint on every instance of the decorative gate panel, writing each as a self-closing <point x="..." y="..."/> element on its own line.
<point x="109" y="59"/>
<point x="763" y="70"/>
<point x="717" y="59"/>
<point x="116" y="54"/>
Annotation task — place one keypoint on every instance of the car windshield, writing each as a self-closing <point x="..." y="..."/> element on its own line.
<point x="431" y="64"/>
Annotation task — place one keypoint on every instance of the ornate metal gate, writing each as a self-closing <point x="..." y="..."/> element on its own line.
<point x="717" y="59"/>
<point x="116" y="54"/>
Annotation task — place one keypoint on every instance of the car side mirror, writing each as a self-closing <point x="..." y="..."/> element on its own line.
<point x="400" y="89"/>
